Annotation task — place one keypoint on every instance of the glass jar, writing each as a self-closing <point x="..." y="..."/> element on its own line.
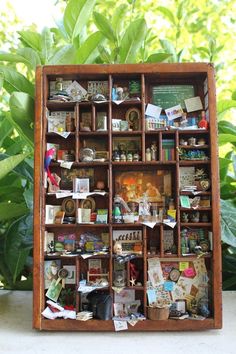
<point x="123" y="156"/>
<point x="130" y="157"/>
<point x="171" y="204"/>
<point x="136" y="156"/>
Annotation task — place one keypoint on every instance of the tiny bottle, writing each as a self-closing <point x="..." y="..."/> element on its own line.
<point x="171" y="204"/>
<point x="136" y="156"/>
<point x="130" y="156"/>
<point x="154" y="151"/>
<point x="123" y="156"/>
<point x="148" y="154"/>
<point x="203" y="123"/>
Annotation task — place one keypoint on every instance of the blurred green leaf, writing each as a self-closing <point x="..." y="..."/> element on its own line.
<point x="64" y="55"/>
<point x="31" y="39"/>
<point x="27" y="56"/>
<point x="169" y="48"/>
<point x="22" y="111"/>
<point x="5" y="129"/>
<point x="8" y="164"/>
<point x="228" y="222"/>
<point x="167" y="13"/>
<point x="181" y="9"/>
<point x="14" y="81"/>
<point x="9" y="211"/>
<point x="225" y="105"/>
<point x="16" y="250"/>
<point x="76" y="16"/>
<point x="104" y="27"/>
<point x="158" y="57"/>
<point x="47" y="44"/>
<point x="132" y="41"/>
<point x="88" y="51"/>
<point x="233" y="97"/>
<point x="118" y="19"/>
<point x="226" y="138"/>
<point x="226" y="127"/>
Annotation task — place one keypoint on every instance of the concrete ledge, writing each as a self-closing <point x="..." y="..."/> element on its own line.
<point x="17" y="335"/>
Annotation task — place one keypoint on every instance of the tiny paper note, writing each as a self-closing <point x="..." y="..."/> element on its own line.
<point x="183" y="265"/>
<point x="193" y="104"/>
<point x="120" y="325"/>
<point x="169" y="285"/>
<point x="184" y="201"/>
<point x="153" y="111"/>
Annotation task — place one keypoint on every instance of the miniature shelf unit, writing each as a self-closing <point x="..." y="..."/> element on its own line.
<point x="131" y="173"/>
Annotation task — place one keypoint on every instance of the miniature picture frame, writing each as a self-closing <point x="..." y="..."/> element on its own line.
<point x="133" y="117"/>
<point x="101" y="123"/>
<point x="81" y="185"/>
<point x="69" y="206"/>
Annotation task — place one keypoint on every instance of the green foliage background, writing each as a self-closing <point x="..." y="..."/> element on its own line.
<point x="102" y="31"/>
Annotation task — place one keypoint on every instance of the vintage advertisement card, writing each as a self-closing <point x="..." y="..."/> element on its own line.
<point x="54" y="290"/>
<point x="174" y="112"/>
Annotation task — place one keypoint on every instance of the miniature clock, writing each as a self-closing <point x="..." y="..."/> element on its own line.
<point x="205" y="184"/>
<point x="174" y="274"/>
<point x="204" y="245"/>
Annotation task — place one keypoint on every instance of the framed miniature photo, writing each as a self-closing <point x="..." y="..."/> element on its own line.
<point x="69" y="206"/>
<point x="101" y="123"/>
<point x="133" y="117"/>
<point x="81" y="185"/>
<point x="88" y="203"/>
<point x="131" y="185"/>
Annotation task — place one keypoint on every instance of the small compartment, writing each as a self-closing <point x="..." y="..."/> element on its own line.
<point x="93" y="209"/>
<point x="127" y="242"/>
<point x="61" y="121"/>
<point x="126" y="87"/>
<point x="101" y="118"/>
<point x="168" y="147"/>
<point x="154" y="241"/>
<point x="194" y="178"/>
<point x="85" y="118"/>
<point x="126" y="118"/>
<point x="94" y="240"/>
<point x="126" y="148"/>
<point x="195" y="240"/>
<point x="152" y="149"/>
<point x="93" y="149"/>
<point x="170" y="242"/>
<point x="60" y="281"/>
<point x="63" y="148"/>
<point x="145" y="190"/>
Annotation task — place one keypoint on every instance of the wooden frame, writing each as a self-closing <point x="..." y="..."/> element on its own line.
<point x="201" y="76"/>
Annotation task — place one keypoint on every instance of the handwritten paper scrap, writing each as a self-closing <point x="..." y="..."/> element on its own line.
<point x="120" y="325"/>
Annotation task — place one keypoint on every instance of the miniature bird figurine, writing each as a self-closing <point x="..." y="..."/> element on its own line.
<point x="48" y="158"/>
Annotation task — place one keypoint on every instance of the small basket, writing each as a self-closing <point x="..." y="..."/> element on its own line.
<point x="158" y="313"/>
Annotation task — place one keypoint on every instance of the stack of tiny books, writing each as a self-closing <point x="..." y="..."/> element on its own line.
<point x="84" y="316"/>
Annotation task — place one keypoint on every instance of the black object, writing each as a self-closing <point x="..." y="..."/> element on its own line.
<point x="100" y="303"/>
<point x="124" y="259"/>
